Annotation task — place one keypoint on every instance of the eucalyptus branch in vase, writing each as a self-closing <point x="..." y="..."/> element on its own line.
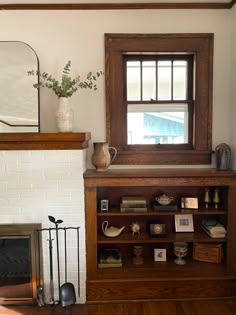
<point x="64" y="89"/>
<point x="68" y="85"/>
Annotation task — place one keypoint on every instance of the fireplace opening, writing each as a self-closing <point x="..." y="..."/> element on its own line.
<point x="19" y="263"/>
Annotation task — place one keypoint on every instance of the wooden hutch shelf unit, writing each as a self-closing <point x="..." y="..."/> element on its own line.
<point x="152" y="279"/>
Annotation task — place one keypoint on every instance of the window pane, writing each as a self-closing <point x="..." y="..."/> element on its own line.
<point x="157" y="124"/>
<point x="133" y="81"/>
<point x="149" y="80"/>
<point x="164" y="80"/>
<point x="179" y="80"/>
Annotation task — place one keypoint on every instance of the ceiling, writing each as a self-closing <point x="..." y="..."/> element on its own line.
<point x="110" y="1"/>
<point x="114" y="4"/>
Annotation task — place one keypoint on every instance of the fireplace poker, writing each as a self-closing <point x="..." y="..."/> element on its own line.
<point x="65" y="245"/>
<point x="58" y="256"/>
<point x="51" y="265"/>
<point x="56" y="222"/>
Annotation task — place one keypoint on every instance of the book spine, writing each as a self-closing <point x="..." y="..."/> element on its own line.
<point x="132" y="205"/>
<point x="109" y="265"/>
<point x="133" y="209"/>
<point x="110" y="261"/>
<point x="137" y="201"/>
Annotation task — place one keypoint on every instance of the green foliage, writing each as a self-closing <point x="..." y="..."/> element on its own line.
<point x="68" y="86"/>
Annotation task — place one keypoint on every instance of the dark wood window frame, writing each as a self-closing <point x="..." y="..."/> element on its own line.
<point x="116" y="45"/>
<point x="188" y="100"/>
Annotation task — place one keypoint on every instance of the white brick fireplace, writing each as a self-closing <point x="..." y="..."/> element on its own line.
<point x="35" y="184"/>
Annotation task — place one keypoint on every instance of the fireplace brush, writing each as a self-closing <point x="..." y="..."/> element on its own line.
<point x="40" y="288"/>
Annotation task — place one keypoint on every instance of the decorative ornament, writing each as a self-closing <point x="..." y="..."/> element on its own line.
<point x="207" y="197"/>
<point x="223" y="156"/>
<point x="216" y="198"/>
<point x="135" y="228"/>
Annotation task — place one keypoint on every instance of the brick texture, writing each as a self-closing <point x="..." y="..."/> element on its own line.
<point x="35" y="184"/>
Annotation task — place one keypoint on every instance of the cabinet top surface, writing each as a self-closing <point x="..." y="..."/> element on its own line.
<point x="165" y="173"/>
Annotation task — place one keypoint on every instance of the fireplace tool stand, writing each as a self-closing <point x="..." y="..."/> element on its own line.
<point x="67" y="295"/>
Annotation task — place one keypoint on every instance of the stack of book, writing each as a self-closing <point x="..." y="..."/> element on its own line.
<point x="109" y="258"/>
<point x="133" y="204"/>
<point x="213" y="228"/>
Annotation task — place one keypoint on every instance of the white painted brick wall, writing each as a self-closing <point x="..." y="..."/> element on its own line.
<point x="35" y="184"/>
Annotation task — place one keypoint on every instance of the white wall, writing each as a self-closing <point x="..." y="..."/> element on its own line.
<point x="58" y="36"/>
<point x="233" y="86"/>
<point x="35" y="184"/>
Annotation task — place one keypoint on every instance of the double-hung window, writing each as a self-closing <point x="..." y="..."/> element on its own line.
<point x="159" y="97"/>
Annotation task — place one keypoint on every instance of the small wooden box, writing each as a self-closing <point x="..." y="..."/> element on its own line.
<point x="208" y="252"/>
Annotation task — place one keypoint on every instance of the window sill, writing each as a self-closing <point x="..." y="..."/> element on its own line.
<point x="44" y="141"/>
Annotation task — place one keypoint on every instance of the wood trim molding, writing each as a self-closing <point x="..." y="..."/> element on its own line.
<point x="232" y="3"/>
<point x="44" y="141"/>
<point x="116" y="46"/>
<point x="118" y="6"/>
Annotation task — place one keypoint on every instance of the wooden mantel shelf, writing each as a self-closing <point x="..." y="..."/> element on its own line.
<point x="44" y="141"/>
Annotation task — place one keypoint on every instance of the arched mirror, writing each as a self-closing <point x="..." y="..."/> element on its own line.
<point x="19" y="101"/>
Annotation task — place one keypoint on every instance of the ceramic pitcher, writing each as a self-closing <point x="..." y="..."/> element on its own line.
<point x="101" y="157"/>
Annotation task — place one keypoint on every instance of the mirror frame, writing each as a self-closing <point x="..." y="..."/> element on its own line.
<point x="38" y="92"/>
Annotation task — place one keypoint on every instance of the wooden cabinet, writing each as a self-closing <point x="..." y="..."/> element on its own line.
<point x="155" y="279"/>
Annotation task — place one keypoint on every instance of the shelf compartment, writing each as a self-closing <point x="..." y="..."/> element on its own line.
<point x="128" y="238"/>
<point x="163" y="270"/>
<point x="116" y="212"/>
<point x="150" y="192"/>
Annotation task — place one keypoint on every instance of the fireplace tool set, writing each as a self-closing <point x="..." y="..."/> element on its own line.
<point x="67" y="295"/>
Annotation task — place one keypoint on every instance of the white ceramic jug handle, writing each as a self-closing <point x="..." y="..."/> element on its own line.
<point x="104" y="226"/>
<point x="115" y="153"/>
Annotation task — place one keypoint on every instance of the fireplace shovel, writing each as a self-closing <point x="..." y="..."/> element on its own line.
<point x="67" y="290"/>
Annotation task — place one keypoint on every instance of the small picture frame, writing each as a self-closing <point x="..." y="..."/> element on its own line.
<point x="159" y="254"/>
<point x="189" y="203"/>
<point x="184" y="223"/>
<point x="104" y="205"/>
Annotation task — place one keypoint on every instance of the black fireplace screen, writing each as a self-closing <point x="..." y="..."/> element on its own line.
<point x="15" y="267"/>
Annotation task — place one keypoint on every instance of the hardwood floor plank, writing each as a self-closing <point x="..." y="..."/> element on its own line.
<point x="196" y="307"/>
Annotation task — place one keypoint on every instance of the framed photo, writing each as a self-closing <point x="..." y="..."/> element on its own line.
<point x="184" y="223"/>
<point x="189" y="203"/>
<point x="159" y="254"/>
<point x="104" y="205"/>
<point x="157" y="229"/>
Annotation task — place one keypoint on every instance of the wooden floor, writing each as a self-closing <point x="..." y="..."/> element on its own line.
<point x="206" y="307"/>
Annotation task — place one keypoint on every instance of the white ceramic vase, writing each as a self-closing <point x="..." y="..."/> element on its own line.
<point x="64" y="115"/>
